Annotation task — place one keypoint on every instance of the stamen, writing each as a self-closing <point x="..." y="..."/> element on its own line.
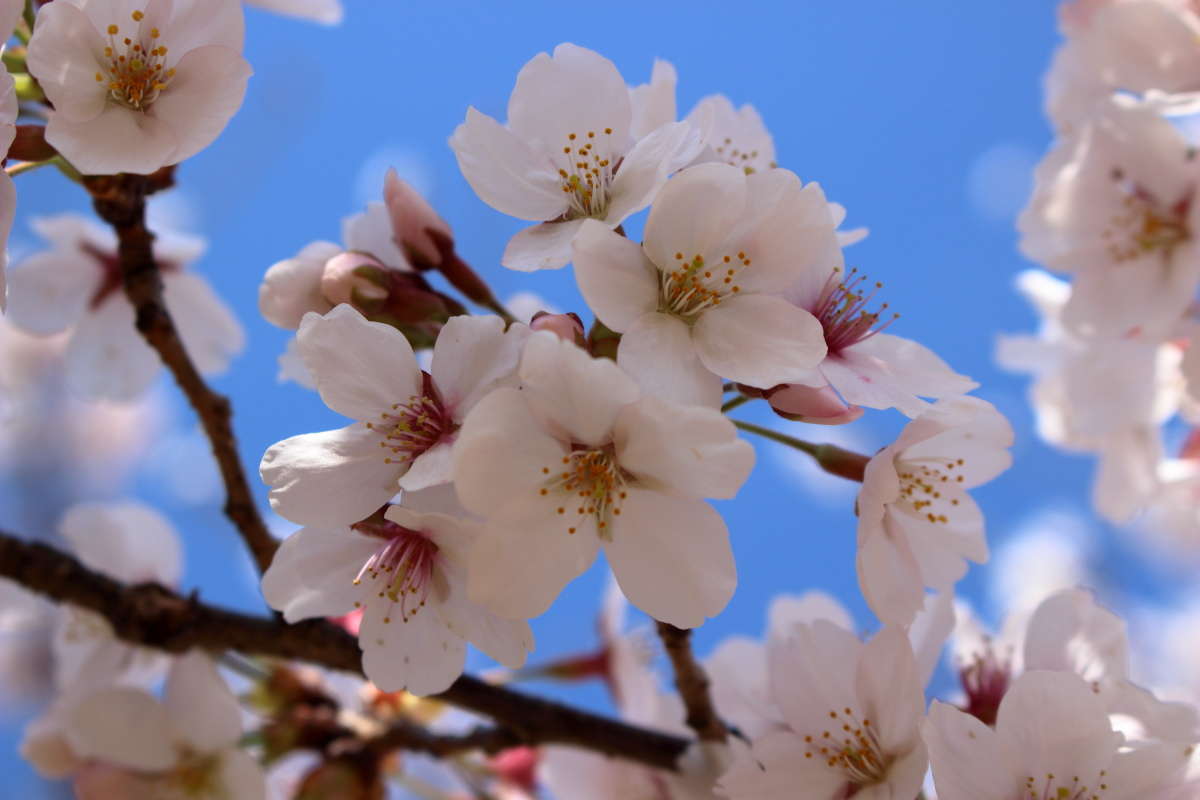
<point x="595" y="480"/>
<point x="1145" y="224"/>
<point x="137" y="72"/>
<point x="694" y="285"/>
<point x="842" y="311"/>
<point x="587" y="173"/>
<point x="402" y="570"/>
<point x="409" y="429"/>
<point x="852" y="747"/>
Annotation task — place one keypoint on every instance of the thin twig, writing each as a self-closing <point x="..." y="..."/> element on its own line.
<point x="829" y="457"/>
<point x="153" y="616"/>
<point x="692" y="683"/>
<point x="403" y="735"/>
<point x="731" y="404"/>
<point x="121" y="202"/>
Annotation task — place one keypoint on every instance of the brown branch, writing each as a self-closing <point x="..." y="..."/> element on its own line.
<point x="150" y="615"/>
<point x="692" y="683"/>
<point x="121" y="202"/>
<point x="402" y="735"/>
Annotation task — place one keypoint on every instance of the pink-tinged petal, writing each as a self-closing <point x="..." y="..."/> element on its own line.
<point x="371" y="232"/>
<point x="505" y="172"/>
<point x="776" y="767"/>
<point x="473" y="356"/>
<point x="195" y="23"/>
<point x="671" y="557"/>
<point x="501" y="452"/>
<point x="434" y="467"/>
<point x="292" y="287"/>
<point x="974" y="431"/>
<point x="543" y="246"/>
<point x="332" y="478"/>
<point x="65" y="54"/>
<point x="106" y="358"/>
<point x="125" y="727"/>
<point x="313" y="572"/>
<point x="526" y="556"/>
<point x="645" y="169"/>
<point x="657" y="351"/>
<point x="362" y="368"/>
<point x="130" y="542"/>
<point x="888" y="685"/>
<point x="574" y="91"/>
<point x="205" y="93"/>
<point x="578" y="396"/>
<point x="890" y="372"/>
<point x="759" y="340"/>
<point x="615" y="278"/>
<point x="940" y="546"/>
<point x="1070" y="632"/>
<point x="965" y="756"/>
<point x="889" y="576"/>
<point x="508" y="641"/>
<point x="118" y="140"/>
<point x="816" y="405"/>
<point x="208" y="328"/>
<point x="687" y="450"/>
<point x="418" y="654"/>
<point x="653" y="103"/>
<point x="50" y="291"/>
<point x="241" y="776"/>
<point x="205" y="713"/>
<point x="414" y="223"/>
<point x="694" y="212"/>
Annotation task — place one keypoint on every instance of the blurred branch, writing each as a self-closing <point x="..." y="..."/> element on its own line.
<point x="692" y="683"/>
<point x="121" y="202"/>
<point x="153" y="616"/>
<point x="408" y="736"/>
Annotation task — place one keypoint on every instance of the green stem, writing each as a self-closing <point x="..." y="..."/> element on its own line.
<point x="741" y="399"/>
<point x="28" y="88"/>
<point x="21" y="167"/>
<point x="776" y="436"/>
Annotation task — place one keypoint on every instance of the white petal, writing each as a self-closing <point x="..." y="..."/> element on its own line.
<point x="107" y="358"/>
<point x="123" y="726"/>
<point x="672" y="558"/>
<point x="208" y="328"/>
<point x="579" y="396"/>
<point x="292" y="287"/>
<point x="965" y="756"/>
<point x="118" y="140"/>
<point x="615" y="278"/>
<point x="508" y="641"/>
<point x="50" y="291"/>
<point x="241" y="776"/>
<point x="205" y="713"/>
<point x="759" y="340"/>
<point x="361" y="368"/>
<point x="889" y="576"/>
<point x="505" y="172"/>
<point x="371" y="231"/>
<point x="645" y="169"/>
<point x="194" y="23"/>
<point x="887" y="371"/>
<point x="688" y="450"/>
<point x="418" y="654"/>
<point x="130" y="542"/>
<point x="526" y="556"/>
<point x="694" y="212"/>
<point x="776" y="767"/>
<point x="788" y="611"/>
<point x="653" y="103"/>
<point x="65" y="56"/>
<point x="313" y="572"/>
<point x="206" y="91"/>
<point x="472" y="356"/>
<point x="331" y="478"/>
<point x="657" y="351"/>
<point x="1069" y="631"/>
<point x="546" y="245"/>
<point x="810" y="674"/>
<point x="888" y="684"/>
<point x="434" y="467"/>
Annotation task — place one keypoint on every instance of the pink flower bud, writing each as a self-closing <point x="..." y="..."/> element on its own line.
<point x="344" y="277"/>
<point x="565" y="326"/>
<point x="416" y="227"/>
<point x="820" y="405"/>
<point x="517" y="766"/>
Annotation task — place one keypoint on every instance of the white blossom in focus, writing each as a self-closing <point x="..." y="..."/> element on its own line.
<point x="1052" y="739"/>
<point x="916" y="522"/>
<point x="653" y="103"/>
<point x="734" y="136"/>
<point x="408" y="574"/>
<point x="138" y="86"/>
<point x="568" y="153"/>
<point x="698" y="300"/>
<point x="851" y="715"/>
<point x="578" y="460"/>
<point x="405" y="424"/>
<point x="185" y="745"/>
<point x="326" y="12"/>
<point x="78" y="283"/>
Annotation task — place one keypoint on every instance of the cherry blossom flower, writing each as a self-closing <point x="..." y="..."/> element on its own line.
<point x="78" y="283"/>
<point x="406" y="422"/>
<point x="697" y="301"/>
<point x="1053" y="738"/>
<point x="326" y="12"/>
<point x="1115" y="204"/>
<point x="916" y="522"/>
<point x="185" y="745"/>
<point x="567" y="154"/>
<point x="407" y="572"/>
<point x="135" y="86"/>
<point x="851" y="712"/>
<point x="578" y="460"/>
<point x="734" y="136"/>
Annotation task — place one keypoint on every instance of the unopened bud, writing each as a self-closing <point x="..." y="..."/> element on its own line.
<point x="517" y="766"/>
<point x="819" y="405"/>
<point x="415" y="223"/>
<point x="349" y="276"/>
<point x="565" y="326"/>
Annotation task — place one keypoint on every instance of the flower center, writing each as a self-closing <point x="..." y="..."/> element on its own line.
<point x="110" y="267"/>
<point x="985" y="680"/>
<point x="734" y="156"/>
<point x="1145" y="224"/>
<point x="197" y="776"/>
<point x="842" y="311"/>
<point x="409" y="429"/>
<point x="1052" y="787"/>
<point x="851" y="746"/>
<point x="402" y="570"/>
<point x="137" y="71"/>
<point x="588" y="483"/>
<point x="587" y="169"/>
<point x="695" y="285"/>
<point x="920" y="487"/>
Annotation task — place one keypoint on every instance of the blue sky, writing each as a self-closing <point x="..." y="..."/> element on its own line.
<point x="924" y="119"/>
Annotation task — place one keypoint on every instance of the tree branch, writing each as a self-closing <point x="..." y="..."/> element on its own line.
<point x="692" y="683"/>
<point x="402" y="735"/>
<point x="121" y="202"/>
<point x="151" y="615"/>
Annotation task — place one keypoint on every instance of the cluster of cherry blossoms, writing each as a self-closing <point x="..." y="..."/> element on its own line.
<point x="490" y="451"/>
<point x="1114" y="210"/>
